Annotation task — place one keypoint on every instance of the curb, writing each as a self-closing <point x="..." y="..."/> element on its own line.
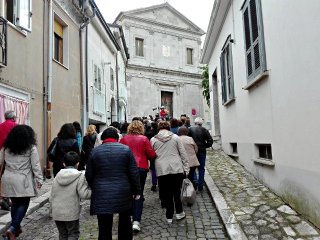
<point x="229" y="220"/>
<point x="35" y="204"/>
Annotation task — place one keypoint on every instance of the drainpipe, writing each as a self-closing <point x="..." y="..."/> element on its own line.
<point x="117" y="82"/>
<point x="84" y="68"/>
<point x="48" y="92"/>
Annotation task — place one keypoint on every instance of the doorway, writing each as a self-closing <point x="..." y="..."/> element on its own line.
<point x="216" y="116"/>
<point x="166" y="101"/>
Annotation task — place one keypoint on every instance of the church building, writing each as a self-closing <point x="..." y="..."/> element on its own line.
<point x="163" y="69"/>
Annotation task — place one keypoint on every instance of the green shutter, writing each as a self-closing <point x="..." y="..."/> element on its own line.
<point x="230" y="66"/>
<point x="223" y="79"/>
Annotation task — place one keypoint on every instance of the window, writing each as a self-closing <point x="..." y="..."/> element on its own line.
<point x="254" y="39"/>
<point x="139" y="47"/>
<point x="111" y="79"/>
<point x="189" y="56"/>
<point x="58" y="41"/>
<point x="18" y="12"/>
<point x="227" y="85"/>
<point x="265" y="151"/>
<point x="234" y="148"/>
<point x="97" y="77"/>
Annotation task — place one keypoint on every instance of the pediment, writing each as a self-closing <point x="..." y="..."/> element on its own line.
<point x="163" y="14"/>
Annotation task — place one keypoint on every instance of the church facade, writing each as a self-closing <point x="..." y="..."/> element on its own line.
<point x="163" y="69"/>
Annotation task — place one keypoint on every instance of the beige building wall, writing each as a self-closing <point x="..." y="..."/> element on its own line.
<point x="66" y="78"/>
<point x="24" y="70"/>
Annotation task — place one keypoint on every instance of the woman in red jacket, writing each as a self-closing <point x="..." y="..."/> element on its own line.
<point x="142" y="151"/>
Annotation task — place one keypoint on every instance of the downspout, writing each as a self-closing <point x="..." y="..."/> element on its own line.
<point x="117" y="82"/>
<point x="48" y="92"/>
<point x="84" y="69"/>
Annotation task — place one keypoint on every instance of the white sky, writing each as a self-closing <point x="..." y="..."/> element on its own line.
<point x="197" y="11"/>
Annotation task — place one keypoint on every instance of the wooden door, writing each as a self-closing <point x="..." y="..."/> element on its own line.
<point x="166" y="101"/>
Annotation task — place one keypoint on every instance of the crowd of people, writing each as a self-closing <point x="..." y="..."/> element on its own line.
<point x="109" y="168"/>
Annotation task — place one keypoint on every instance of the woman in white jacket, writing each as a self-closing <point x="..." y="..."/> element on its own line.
<point x="22" y="175"/>
<point x="171" y="167"/>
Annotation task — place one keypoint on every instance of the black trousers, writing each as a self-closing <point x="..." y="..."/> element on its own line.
<point x="68" y="230"/>
<point x="105" y="222"/>
<point x="170" y="193"/>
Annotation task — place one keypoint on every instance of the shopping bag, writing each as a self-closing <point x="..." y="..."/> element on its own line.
<point x="188" y="194"/>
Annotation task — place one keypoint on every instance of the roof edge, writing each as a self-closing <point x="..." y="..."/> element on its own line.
<point x="217" y="18"/>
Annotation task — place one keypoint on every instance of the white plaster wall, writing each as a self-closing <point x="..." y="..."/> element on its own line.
<point x="284" y="108"/>
<point x="99" y="53"/>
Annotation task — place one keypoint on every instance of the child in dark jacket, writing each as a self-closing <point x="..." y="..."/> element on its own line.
<point x="69" y="186"/>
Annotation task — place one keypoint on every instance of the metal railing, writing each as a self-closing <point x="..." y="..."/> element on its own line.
<point x="3" y="42"/>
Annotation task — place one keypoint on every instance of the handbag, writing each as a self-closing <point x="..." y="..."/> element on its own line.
<point x="188" y="193"/>
<point x="52" y="150"/>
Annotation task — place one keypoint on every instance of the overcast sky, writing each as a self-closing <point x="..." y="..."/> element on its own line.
<point x="197" y="11"/>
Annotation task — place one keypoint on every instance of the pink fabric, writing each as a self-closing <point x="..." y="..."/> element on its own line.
<point x="19" y="106"/>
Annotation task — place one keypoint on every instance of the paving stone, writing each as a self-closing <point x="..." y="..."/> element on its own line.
<point x="305" y="229"/>
<point x="261" y="222"/>
<point x="294" y="219"/>
<point x="286" y="209"/>
<point x="289" y="231"/>
<point x="251" y="230"/>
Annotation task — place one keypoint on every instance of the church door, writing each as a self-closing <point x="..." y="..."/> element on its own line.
<point x="166" y="101"/>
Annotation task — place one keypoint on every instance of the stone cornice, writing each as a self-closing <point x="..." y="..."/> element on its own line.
<point x="127" y="26"/>
<point x="164" y="71"/>
<point x="164" y="25"/>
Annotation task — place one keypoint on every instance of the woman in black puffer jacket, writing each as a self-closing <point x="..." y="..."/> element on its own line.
<point x="63" y="143"/>
<point x="113" y="176"/>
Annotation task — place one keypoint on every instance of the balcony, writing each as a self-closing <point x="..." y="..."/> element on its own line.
<point x="99" y="102"/>
<point x="3" y="42"/>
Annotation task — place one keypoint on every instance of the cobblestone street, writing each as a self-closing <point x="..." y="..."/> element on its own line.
<point x="260" y="213"/>
<point x="202" y="222"/>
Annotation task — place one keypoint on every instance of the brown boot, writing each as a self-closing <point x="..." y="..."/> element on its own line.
<point x="10" y="235"/>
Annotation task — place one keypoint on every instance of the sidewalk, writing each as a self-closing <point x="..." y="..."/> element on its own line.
<point x="35" y="204"/>
<point x="248" y="209"/>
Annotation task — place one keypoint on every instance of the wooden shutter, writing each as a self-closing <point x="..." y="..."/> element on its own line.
<point x="223" y="79"/>
<point x="230" y="72"/>
<point x="254" y="40"/>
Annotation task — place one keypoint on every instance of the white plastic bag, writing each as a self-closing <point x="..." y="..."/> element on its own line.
<point x="188" y="194"/>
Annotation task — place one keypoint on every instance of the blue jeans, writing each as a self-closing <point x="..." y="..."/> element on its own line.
<point x="138" y="204"/>
<point x="19" y="208"/>
<point x="202" y="160"/>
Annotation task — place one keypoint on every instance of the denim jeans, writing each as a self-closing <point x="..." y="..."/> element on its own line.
<point x="68" y="230"/>
<point x="105" y="222"/>
<point x="19" y="208"/>
<point x="154" y="179"/>
<point x="138" y="204"/>
<point x="202" y="160"/>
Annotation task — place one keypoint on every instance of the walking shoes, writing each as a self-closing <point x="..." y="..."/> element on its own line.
<point x="169" y="221"/>
<point x="136" y="226"/>
<point x="180" y="216"/>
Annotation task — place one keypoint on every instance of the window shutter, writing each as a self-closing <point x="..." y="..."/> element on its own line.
<point x="230" y="77"/>
<point x="24" y="14"/>
<point x="223" y="79"/>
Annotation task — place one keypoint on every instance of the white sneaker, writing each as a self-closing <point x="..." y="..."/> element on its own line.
<point x="136" y="226"/>
<point x="169" y="221"/>
<point x="180" y="216"/>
